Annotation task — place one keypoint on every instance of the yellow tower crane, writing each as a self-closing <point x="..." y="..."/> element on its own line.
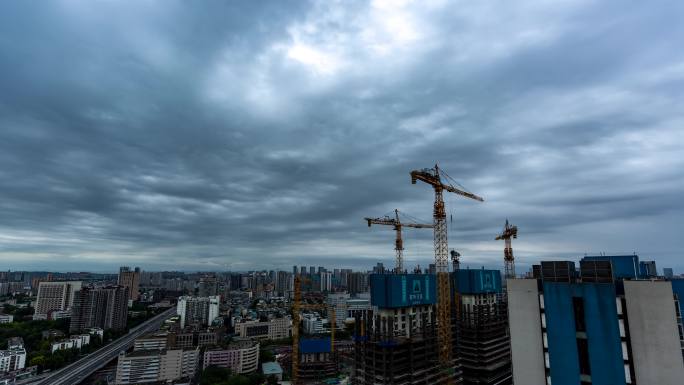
<point x="298" y="306"/>
<point x="398" y="243"/>
<point x="509" y="231"/>
<point x="432" y="177"/>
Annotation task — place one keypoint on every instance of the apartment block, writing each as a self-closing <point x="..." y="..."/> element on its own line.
<point x="607" y="323"/>
<point x="14" y="358"/>
<point x="130" y="279"/>
<point x="55" y="296"/>
<point x="101" y="307"/>
<point x="199" y="311"/>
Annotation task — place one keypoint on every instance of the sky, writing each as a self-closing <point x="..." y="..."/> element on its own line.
<point x="243" y="135"/>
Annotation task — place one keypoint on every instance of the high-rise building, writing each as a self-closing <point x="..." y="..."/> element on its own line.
<point x="326" y="281"/>
<point x="396" y="343"/>
<point x="667" y="272"/>
<point x="55" y="296"/>
<point x="603" y="326"/>
<point x="338" y="303"/>
<point x="101" y="307"/>
<point x="312" y="270"/>
<point x="130" y="279"/>
<point x="357" y="282"/>
<point x="207" y="286"/>
<point x="480" y="327"/>
<point x="198" y="310"/>
<point x="283" y="283"/>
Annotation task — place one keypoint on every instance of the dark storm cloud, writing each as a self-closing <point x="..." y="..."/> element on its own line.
<point x="246" y="135"/>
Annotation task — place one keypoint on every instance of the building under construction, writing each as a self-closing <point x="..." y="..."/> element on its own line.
<point x="481" y="327"/>
<point x="397" y="342"/>
<point x="317" y="361"/>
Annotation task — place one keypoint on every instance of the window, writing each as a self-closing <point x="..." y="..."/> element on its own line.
<point x="583" y="355"/>
<point x="578" y="308"/>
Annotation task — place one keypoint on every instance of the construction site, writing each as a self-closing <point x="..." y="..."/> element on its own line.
<point x="443" y="328"/>
<point x="446" y="326"/>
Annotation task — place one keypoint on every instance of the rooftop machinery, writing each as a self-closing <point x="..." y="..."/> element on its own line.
<point x="399" y="243"/>
<point x="432" y="177"/>
<point x="509" y="231"/>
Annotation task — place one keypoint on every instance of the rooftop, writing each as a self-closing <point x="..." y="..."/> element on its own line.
<point x="271" y="368"/>
<point x="319" y="345"/>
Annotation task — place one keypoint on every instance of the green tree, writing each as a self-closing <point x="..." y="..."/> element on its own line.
<point x="37" y="360"/>
<point x="238" y="380"/>
<point x="266" y="355"/>
<point x="214" y="375"/>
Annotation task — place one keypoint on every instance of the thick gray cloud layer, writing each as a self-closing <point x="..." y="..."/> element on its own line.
<point x="238" y="135"/>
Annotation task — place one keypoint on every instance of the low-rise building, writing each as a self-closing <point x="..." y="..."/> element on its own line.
<point x="74" y="342"/>
<point x="6" y="318"/>
<point x="14" y="358"/>
<point x="272" y="369"/>
<point x="155" y="341"/>
<point x="276" y="328"/>
<point x="241" y="357"/>
<point x="145" y="366"/>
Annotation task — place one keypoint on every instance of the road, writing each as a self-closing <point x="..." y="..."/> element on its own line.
<point x="78" y="371"/>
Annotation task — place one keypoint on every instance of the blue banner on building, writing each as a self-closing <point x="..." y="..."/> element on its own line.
<point x="401" y="290"/>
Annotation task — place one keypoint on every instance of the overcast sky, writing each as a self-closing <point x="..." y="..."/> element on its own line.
<point x="225" y="135"/>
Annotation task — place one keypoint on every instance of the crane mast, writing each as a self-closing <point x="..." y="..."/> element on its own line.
<point x="433" y="178"/>
<point x="509" y="232"/>
<point x="297" y="306"/>
<point x="398" y="243"/>
<point x="297" y="286"/>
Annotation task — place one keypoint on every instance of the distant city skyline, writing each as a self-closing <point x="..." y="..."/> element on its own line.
<point x="251" y="135"/>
